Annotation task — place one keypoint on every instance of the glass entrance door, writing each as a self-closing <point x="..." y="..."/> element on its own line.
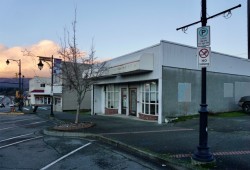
<point x="124" y="94"/>
<point x="132" y="101"/>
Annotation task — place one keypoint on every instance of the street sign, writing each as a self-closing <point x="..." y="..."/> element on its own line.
<point x="203" y="54"/>
<point x="203" y="36"/>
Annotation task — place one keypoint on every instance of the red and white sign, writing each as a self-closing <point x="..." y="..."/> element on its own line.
<point x="203" y="54"/>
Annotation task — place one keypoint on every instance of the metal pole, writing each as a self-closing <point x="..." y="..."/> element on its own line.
<point x="203" y="154"/>
<point x="248" y="27"/>
<point x="19" y="86"/>
<point x="52" y="84"/>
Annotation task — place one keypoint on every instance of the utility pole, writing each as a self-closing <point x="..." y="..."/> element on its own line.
<point x="203" y="155"/>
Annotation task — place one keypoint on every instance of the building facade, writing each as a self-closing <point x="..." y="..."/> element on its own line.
<point x="164" y="81"/>
<point x="63" y="99"/>
<point x="40" y="93"/>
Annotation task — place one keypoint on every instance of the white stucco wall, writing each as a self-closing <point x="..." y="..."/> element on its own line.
<point x="155" y="74"/>
<point x="183" y="56"/>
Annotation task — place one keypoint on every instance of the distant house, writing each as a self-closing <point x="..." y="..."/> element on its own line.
<point x="40" y="92"/>
<point x="63" y="99"/>
<point x="6" y="100"/>
<point x="164" y="80"/>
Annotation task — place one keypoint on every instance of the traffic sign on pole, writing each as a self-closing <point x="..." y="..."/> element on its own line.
<point x="203" y="36"/>
<point x="203" y="54"/>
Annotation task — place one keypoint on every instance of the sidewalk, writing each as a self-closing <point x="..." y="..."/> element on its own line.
<point x="170" y="144"/>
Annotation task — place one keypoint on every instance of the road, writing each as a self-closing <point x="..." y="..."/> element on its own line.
<point x="23" y="146"/>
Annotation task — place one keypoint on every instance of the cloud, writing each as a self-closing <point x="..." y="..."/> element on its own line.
<point x="29" y="61"/>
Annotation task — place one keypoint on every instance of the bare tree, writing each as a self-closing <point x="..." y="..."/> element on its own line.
<point x="79" y="70"/>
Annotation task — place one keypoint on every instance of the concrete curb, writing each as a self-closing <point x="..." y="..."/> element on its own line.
<point x="66" y="134"/>
<point x="146" y="155"/>
<point x="12" y="113"/>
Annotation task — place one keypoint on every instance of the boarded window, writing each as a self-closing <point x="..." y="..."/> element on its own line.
<point x="184" y="92"/>
<point x="228" y="90"/>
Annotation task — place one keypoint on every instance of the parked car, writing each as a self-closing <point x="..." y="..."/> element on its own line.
<point x="244" y="103"/>
<point x="2" y="105"/>
<point x="12" y="105"/>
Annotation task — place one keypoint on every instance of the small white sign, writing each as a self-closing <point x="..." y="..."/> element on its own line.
<point x="203" y="36"/>
<point x="203" y="54"/>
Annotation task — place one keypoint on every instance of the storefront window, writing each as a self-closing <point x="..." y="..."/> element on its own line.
<point x="39" y="100"/>
<point x="112" y="97"/>
<point x="149" y="96"/>
<point x="58" y="101"/>
<point x="42" y="100"/>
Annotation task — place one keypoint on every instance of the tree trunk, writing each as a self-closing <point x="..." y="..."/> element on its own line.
<point x="77" y="113"/>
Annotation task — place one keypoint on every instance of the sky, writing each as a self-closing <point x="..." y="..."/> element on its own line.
<point x="117" y="27"/>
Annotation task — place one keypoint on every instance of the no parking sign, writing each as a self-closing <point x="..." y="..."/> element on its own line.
<point x="203" y="54"/>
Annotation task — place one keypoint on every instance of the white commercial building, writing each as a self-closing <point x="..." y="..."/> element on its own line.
<point x="63" y="99"/>
<point x="40" y="93"/>
<point x="164" y="80"/>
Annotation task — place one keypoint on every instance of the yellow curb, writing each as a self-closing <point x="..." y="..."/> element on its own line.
<point x="12" y="113"/>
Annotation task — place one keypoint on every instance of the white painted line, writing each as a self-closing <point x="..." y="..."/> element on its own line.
<point x="22" y="125"/>
<point x="138" y="132"/>
<point x="16" y="137"/>
<point x="14" y="121"/>
<point x="25" y="108"/>
<point x="52" y="163"/>
<point x="11" y="144"/>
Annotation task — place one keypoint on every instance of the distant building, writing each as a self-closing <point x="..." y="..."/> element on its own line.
<point x="6" y="100"/>
<point x="63" y="99"/>
<point x="40" y="92"/>
<point x="164" y="80"/>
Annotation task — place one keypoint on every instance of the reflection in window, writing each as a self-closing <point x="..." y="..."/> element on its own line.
<point x="42" y="100"/>
<point x="149" y="96"/>
<point x="112" y="96"/>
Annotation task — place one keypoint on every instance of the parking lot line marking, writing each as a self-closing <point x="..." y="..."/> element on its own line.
<point x="14" y="121"/>
<point x="11" y="144"/>
<point x="54" y="162"/>
<point x="22" y="125"/>
<point x="16" y="137"/>
<point x="152" y="131"/>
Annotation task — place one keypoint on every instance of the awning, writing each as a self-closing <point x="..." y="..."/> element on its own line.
<point x="137" y="64"/>
<point x="37" y="91"/>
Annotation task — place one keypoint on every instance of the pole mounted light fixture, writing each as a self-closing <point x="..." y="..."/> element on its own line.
<point x="40" y="66"/>
<point x="19" y="82"/>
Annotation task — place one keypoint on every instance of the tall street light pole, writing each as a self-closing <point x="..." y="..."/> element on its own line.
<point x="40" y="66"/>
<point x="19" y="81"/>
<point x="203" y="154"/>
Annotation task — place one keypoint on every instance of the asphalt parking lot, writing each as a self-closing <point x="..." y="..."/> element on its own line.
<point x="23" y="146"/>
<point x="228" y="137"/>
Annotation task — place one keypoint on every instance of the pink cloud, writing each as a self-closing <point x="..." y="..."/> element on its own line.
<point x="28" y="58"/>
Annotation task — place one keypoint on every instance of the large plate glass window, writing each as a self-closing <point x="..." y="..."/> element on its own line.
<point x="149" y="96"/>
<point x="111" y="96"/>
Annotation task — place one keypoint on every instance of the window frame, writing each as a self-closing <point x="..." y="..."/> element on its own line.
<point x="111" y="96"/>
<point x="149" y="98"/>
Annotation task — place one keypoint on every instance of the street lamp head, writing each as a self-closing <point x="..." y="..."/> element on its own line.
<point x="7" y="62"/>
<point x="40" y="65"/>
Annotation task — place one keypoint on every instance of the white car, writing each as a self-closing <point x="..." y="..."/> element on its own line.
<point x="11" y="104"/>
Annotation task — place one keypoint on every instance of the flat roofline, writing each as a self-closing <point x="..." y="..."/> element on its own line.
<point x="189" y="46"/>
<point x="152" y="46"/>
<point x="179" y="44"/>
